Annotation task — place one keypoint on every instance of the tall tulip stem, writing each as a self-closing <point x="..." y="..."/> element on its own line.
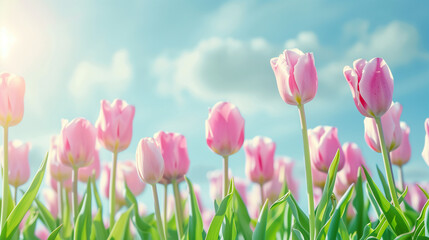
<point x="401" y="177"/>
<point x="75" y="202"/>
<point x="5" y="178"/>
<point x="261" y="187"/>
<point x="225" y="176"/>
<point x="165" y="208"/>
<point x="60" y="200"/>
<point x="387" y="164"/>
<point x="113" y="189"/>
<point x="308" y="175"/>
<point x="158" y="213"/>
<point x="178" y="205"/>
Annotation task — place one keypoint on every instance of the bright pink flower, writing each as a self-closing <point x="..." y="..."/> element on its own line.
<point x="134" y="183"/>
<point x="259" y="159"/>
<point x="119" y="187"/>
<point x="88" y="171"/>
<point x="224" y="129"/>
<point x="76" y="143"/>
<point x="56" y="168"/>
<point x="283" y="174"/>
<point x="353" y="160"/>
<point x="150" y="164"/>
<point x="415" y="197"/>
<point x="296" y="76"/>
<point x="319" y="178"/>
<point x="175" y="153"/>
<point x="402" y="154"/>
<point x="425" y="152"/>
<point x="115" y="125"/>
<point x="19" y="167"/>
<point x="12" y="89"/>
<point x="372" y="86"/>
<point x="51" y="201"/>
<point x="391" y="129"/>
<point x="324" y="144"/>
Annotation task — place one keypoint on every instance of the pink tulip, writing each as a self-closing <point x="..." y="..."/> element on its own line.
<point x="51" y="201"/>
<point x="415" y="197"/>
<point x="391" y="129"/>
<point x="283" y="174"/>
<point x="319" y="178"/>
<point x="254" y="204"/>
<point x="341" y="185"/>
<point x="12" y="89"/>
<point x="353" y="160"/>
<point x="324" y="143"/>
<point x="425" y="153"/>
<point x="296" y="76"/>
<point x="56" y="168"/>
<point x="402" y="154"/>
<point x="42" y="233"/>
<point x="259" y="159"/>
<point x="76" y="144"/>
<point x="150" y="164"/>
<point x="105" y="185"/>
<point x="175" y="154"/>
<point x="86" y="172"/>
<point x="115" y="125"/>
<point x="129" y="171"/>
<point x="372" y="86"/>
<point x="224" y="129"/>
<point x="19" y="167"/>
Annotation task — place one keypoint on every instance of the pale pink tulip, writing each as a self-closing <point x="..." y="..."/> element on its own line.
<point x="12" y="89"/>
<point x="150" y="164"/>
<point x="371" y="84"/>
<point x="94" y="168"/>
<point x="324" y="144"/>
<point x="319" y="178"/>
<point x="341" y="186"/>
<point x="415" y="197"/>
<point x="254" y="201"/>
<point x="353" y="160"/>
<point x="175" y="153"/>
<point x="224" y="129"/>
<point x="51" y="201"/>
<point x="259" y="159"/>
<point x="283" y="169"/>
<point x="115" y="125"/>
<point x="425" y="152"/>
<point x="134" y="183"/>
<point x="402" y="154"/>
<point x="56" y="168"/>
<point x="390" y="122"/>
<point x="41" y="232"/>
<point x="119" y="187"/>
<point x="76" y="143"/>
<point x="296" y="76"/>
<point x="19" y="167"/>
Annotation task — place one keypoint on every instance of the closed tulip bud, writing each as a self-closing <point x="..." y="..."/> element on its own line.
<point x="175" y="154"/>
<point x="296" y="76"/>
<point x="371" y="84"/>
<point x="132" y="178"/>
<point x="149" y="161"/>
<point x="415" y="197"/>
<point x="76" y="146"/>
<point x="94" y="168"/>
<point x="319" y="178"/>
<point x="115" y="125"/>
<point x="57" y="170"/>
<point x="19" y="167"/>
<point x="324" y="144"/>
<point x="353" y="161"/>
<point x="391" y="129"/>
<point x="283" y="169"/>
<point x="12" y="89"/>
<point x="402" y="154"/>
<point x="224" y="129"/>
<point x="425" y="153"/>
<point x="259" y="159"/>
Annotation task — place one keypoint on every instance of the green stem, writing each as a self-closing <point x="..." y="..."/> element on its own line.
<point x="178" y="204"/>
<point x="157" y="212"/>
<point x="225" y="176"/>
<point x="401" y="178"/>
<point x="60" y="200"/>
<point x="165" y="208"/>
<point x="75" y="202"/>
<point x="112" y="192"/>
<point x="15" y="195"/>
<point x="5" y="178"/>
<point x="387" y="163"/>
<point x="261" y="187"/>
<point x="308" y="175"/>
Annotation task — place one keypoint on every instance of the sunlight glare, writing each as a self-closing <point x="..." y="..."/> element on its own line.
<point x="6" y="41"/>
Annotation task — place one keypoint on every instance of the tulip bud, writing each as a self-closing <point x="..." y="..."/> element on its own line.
<point x="131" y="177"/>
<point x="319" y="178"/>
<point x="150" y="164"/>
<point x="175" y="154"/>
<point x="353" y="161"/>
<point x="19" y="167"/>
<point x="283" y="169"/>
<point x="259" y="159"/>
<point x="86" y="172"/>
<point x="391" y="129"/>
<point x="425" y="153"/>
<point x="57" y="170"/>
<point x="296" y="76"/>
<point x="115" y="125"/>
<point x="371" y="84"/>
<point x="324" y="144"/>
<point x="76" y="146"/>
<point x="402" y="154"/>
<point x="224" y="129"/>
<point x="12" y="89"/>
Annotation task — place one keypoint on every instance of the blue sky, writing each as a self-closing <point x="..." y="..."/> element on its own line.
<point x="174" y="60"/>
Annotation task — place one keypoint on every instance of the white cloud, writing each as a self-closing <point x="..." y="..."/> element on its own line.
<point x="306" y="41"/>
<point x="227" y="18"/>
<point x="113" y="78"/>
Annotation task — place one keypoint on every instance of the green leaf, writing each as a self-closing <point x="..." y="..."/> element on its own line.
<point x="424" y="191"/>
<point x="195" y="224"/>
<point x="46" y="216"/>
<point x="100" y="230"/>
<point x="361" y="219"/>
<point x="83" y="225"/>
<point x="96" y="195"/>
<point x="242" y="218"/>
<point x="394" y="216"/>
<point x="322" y="212"/>
<point x="30" y="225"/>
<point x="339" y="212"/>
<point x="261" y="226"/>
<point x="427" y="223"/>
<point x="22" y="207"/>
<point x="118" y="230"/>
<point x="384" y="184"/>
<point x="54" y="233"/>
<point x="214" y="229"/>
<point x="299" y="215"/>
<point x="277" y="220"/>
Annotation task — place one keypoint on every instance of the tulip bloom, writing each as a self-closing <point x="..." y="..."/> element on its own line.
<point x="57" y="170"/>
<point x="353" y="161"/>
<point x="371" y="84"/>
<point x="391" y="129"/>
<point x="402" y="154"/>
<point x="425" y="153"/>
<point x="132" y="179"/>
<point x="19" y="167"/>
<point x="259" y="159"/>
<point x="296" y="76"/>
<point x="283" y="174"/>
<point x="86" y="172"/>
<point x="324" y="144"/>
<point x="12" y="89"/>
<point x="150" y="164"/>
<point x="319" y="178"/>
<point x="115" y="125"/>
